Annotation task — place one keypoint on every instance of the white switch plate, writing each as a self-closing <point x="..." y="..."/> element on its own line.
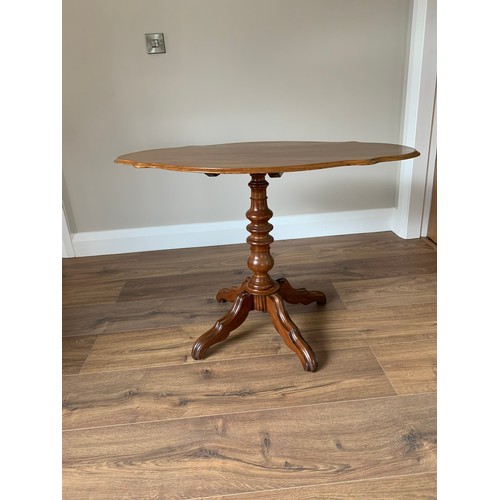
<point x="155" y="43"/>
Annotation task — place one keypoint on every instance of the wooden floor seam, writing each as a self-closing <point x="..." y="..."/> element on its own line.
<point x="382" y="368"/>
<point x="275" y="408"/>
<point x="315" y="485"/>
<point x="226" y="358"/>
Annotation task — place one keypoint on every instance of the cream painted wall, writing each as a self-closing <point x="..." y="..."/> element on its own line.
<point x="235" y="70"/>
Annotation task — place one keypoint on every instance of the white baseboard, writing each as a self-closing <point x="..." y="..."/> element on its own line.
<point x="229" y="232"/>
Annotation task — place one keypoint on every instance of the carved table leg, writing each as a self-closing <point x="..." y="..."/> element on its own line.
<point x="243" y="304"/>
<point x="230" y="294"/>
<point x="290" y="332"/>
<point x="300" y="295"/>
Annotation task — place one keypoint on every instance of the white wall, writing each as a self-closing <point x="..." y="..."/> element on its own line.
<point x="235" y="70"/>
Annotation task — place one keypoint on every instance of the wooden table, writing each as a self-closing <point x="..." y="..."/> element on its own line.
<point x="260" y="292"/>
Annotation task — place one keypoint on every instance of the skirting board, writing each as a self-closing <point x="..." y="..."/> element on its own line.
<point x="229" y="232"/>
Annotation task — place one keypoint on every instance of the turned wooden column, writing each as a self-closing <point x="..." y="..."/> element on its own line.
<point x="260" y="261"/>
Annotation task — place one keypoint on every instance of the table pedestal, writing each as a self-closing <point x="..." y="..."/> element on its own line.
<point x="260" y="292"/>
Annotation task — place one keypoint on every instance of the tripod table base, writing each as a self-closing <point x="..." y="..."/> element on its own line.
<point x="244" y="302"/>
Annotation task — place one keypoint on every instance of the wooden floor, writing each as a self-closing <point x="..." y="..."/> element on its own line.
<point x="142" y="420"/>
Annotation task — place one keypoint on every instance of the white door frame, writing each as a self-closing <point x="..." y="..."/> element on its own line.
<point x="67" y="243"/>
<point x="431" y="172"/>
<point x="415" y="174"/>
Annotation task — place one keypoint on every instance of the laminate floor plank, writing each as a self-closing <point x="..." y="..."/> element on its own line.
<point x="135" y="315"/>
<point x="396" y="265"/>
<point x="412" y="487"/>
<point x="411" y="367"/>
<point x="213" y="387"/>
<point x="99" y="269"/>
<point x="104" y="268"/>
<point x="190" y="285"/>
<point x="176" y="310"/>
<point x="324" y="330"/>
<point x="400" y="291"/>
<point x="200" y="286"/>
<point x="366" y="246"/>
<point x="168" y="310"/>
<point x="253" y="451"/>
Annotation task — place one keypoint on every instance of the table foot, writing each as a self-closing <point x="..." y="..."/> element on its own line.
<point x="300" y="295"/>
<point x="290" y="332"/>
<point x="274" y="304"/>
<point x="243" y="304"/>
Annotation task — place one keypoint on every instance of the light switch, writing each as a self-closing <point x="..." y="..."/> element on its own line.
<point x="155" y="43"/>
